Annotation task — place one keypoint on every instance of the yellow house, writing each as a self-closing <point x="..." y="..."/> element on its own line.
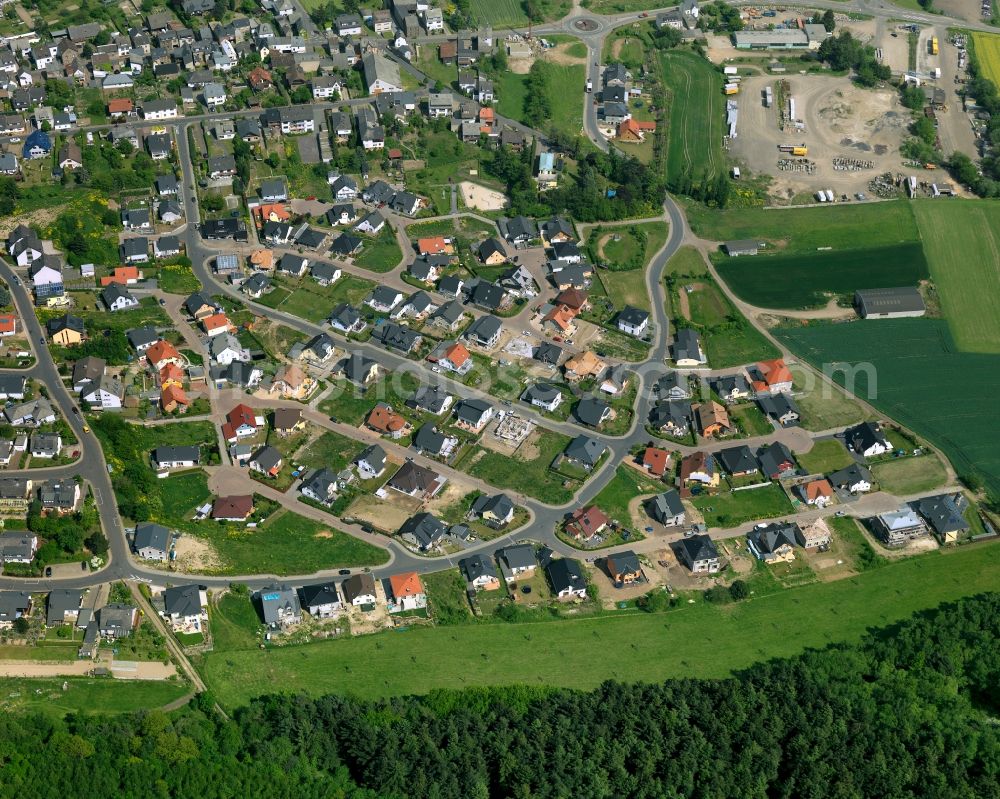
<point x="66" y="330"/>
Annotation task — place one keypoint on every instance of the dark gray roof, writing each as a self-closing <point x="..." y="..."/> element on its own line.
<point x="154" y="536"/>
<point x="591" y="411"/>
<point x="944" y="512"/>
<point x="585" y="449"/>
<point x="476" y="566"/>
<point x="484" y="328"/>
<point x="425" y="529"/>
<point x="547" y="352"/>
<point x="428" y="439"/>
<point x="471" y="411"/>
<point x="905" y="299"/>
<point x="565" y="573"/>
<point x="267" y="458"/>
<point x="518" y="556"/>
<point x="737" y="459"/>
<point x="699" y="547"/>
<point x="773" y="456"/>
<point x="142" y="336"/>
<point x="318" y="594"/>
<point x="769" y="538"/>
<point x="541" y="392"/>
<point x="850" y="475"/>
<point x="61" y="600"/>
<point x="176" y="453"/>
<point x="182" y="600"/>
<point x="668" y="504"/>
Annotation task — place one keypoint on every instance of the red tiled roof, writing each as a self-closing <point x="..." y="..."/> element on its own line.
<point x="407" y="584"/>
<point x="655" y="460"/>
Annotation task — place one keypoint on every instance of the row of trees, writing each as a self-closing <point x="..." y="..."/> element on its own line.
<point x="907" y="712"/>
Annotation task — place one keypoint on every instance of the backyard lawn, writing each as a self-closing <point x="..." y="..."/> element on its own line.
<point x="913" y="475"/>
<point x="826" y="456"/>
<point x="626" y="288"/>
<point x="699" y="639"/>
<point x="307" y="299"/>
<point x="733" y="508"/>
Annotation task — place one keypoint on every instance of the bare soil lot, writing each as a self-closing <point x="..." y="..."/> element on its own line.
<point x="480" y="197"/>
<point x="841" y="120"/>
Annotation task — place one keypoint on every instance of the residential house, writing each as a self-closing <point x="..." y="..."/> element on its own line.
<point x="583" y="366"/>
<point x="667" y="509"/>
<point x="592" y="411"/>
<point x="815" y="535"/>
<point x="738" y="461"/>
<point x="774" y="542"/>
<point x="359" y="370"/>
<point x="900" y="526"/>
<point x="45" y="445"/>
<point x="624" y="568"/>
<point x="416" y="481"/>
<point x="779" y="408"/>
<point x="107" y="393"/>
<point x="770" y="377"/>
<point x="699" y="554"/>
<point x="321" y="600"/>
<point x="479" y="573"/>
<point x="856" y="479"/>
<point x="186" y="608"/>
<point x="491" y="252"/>
<point x="359" y="590"/>
<point x="544" y="396"/>
<point x="776" y="460"/>
<point x="434" y="400"/>
<point x="672" y="386"/>
<point x="585" y="451"/>
<point x="687" y="349"/>
<point x="151" y="541"/>
<point x="117" y="298"/>
<point x="175" y="457"/>
<point x="818" y="493"/>
<point x="945" y="515"/>
<point x="484" y="332"/>
<point x="292" y="382"/>
<point x="241" y="422"/>
<point x="699" y="468"/>
<point x="472" y="415"/>
<point x="407" y="591"/>
<point x="566" y="578"/>
<point x="655" y="461"/>
<point x="517" y="561"/>
<point x="320" y="486"/>
<point x="63" y="606"/>
<point x="236" y="508"/>
<point x="495" y="511"/>
<point x="371" y="462"/>
<point x="867" y="439"/>
<point x="712" y="419"/>
<point x="279" y="605"/>
<point x="59" y="497"/>
<point x="116" y="620"/>
<point x="633" y="321"/>
<point x="423" y="531"/>
<point x="17" y="547"/>
<point x="585" y="523"/>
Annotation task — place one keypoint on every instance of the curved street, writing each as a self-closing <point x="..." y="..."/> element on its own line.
<point x="544" y="518"/>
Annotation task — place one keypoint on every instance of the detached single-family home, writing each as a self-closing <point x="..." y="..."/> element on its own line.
<point x="633" y="321"/>
<point x="667" y="509"/>
<point x="321" y="600"/>
<point x="856" y="479"/>
<point x="279" y="605"/>
<point x="544" y="396"/>
<point x="407" y="591"/>
<point x="775" y="542"/>
<point x="423" y="531"/>
<point x="867" y="439"/>
<point x="359" y="591"/>
<point x="699" y="554"/>
<point x="479" y="573"/>
<point x="151" y="541"/>
<point x="566" y="578"/>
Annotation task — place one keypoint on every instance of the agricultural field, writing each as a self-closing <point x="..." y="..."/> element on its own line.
<point x="697" y="115"/>
<point x="511" y="13"/>
<point x="633" y="646"/>
<point x="804" y="230"/>
<point x="987" y="49"/>
<point x="916" y="375"/>
<point x="962" y="243"/>
<point x="804" y="281"/>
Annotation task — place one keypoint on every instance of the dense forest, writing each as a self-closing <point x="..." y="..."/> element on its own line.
<point x="907" y="712"/>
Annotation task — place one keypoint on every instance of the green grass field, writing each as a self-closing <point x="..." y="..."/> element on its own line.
<point x="733" y="508"/>
<point x="803" y="230"/>
<point x="987" y="50"/>
<point x="626" y="288"/>
<point x="381" y="254"/>
<point x="803" y="281"/>
<point x="822" y="406"/>
<point x="696" y="116"/>
<point x="331" y="450"/>
<point x="905" y="476"/>
<point x="918" y="377"/>
<point x="691" y="640"/>
<point x="826" y="456"/>
<point x="309" y="300"/>
<point x="86" y="695"/>
<point x="962" y="242"/>
<point x="626" y="485"/>
<point x="511" y="13"/>
<point x="235" y="623"/>
<point x="564" y="87"/>
<point x="531" y="477"/>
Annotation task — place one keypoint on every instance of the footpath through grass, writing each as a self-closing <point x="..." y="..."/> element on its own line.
<point x="962" y="242"/>
<point x="691" y="640"/>
<point x="87" y="695"/>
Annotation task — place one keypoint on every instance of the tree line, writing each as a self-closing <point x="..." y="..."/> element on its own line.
<point x="905" y="712"/>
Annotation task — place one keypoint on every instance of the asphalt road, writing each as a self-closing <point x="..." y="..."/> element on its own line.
<point x="92" y="466"/>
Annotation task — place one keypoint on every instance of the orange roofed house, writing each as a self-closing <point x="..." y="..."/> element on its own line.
<point x="163" y="353"/>
<point x="8" y="325"/>
<point x="585" y="523"/>
<point x="271" y="212"/>
<point x="655" y="461"/>
<point x="173" y="397"/>
<point x="262" y="259"/>
<point x="435" y="245"/>
<point x="123" y="275"/>
<point x="770" y="377"/>
<point x="171" y="374"/>
<point x="634" y="130"/>
<point x="407" y="591"/>
<point x="216" y="323"/>
<point x="456" y="358"/>
<point x="292" y="382"/>
<point x="383" y="419"/>
<point x="120" y="107"/>
<point x="241" y="422"/>
<point x="560" y="320"/>
<point x="818" y="493"/>
<point x="260" y="79"/>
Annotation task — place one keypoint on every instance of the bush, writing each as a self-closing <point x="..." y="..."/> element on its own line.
<point x="739" y="590"/>
<point x="718" y="595"/>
